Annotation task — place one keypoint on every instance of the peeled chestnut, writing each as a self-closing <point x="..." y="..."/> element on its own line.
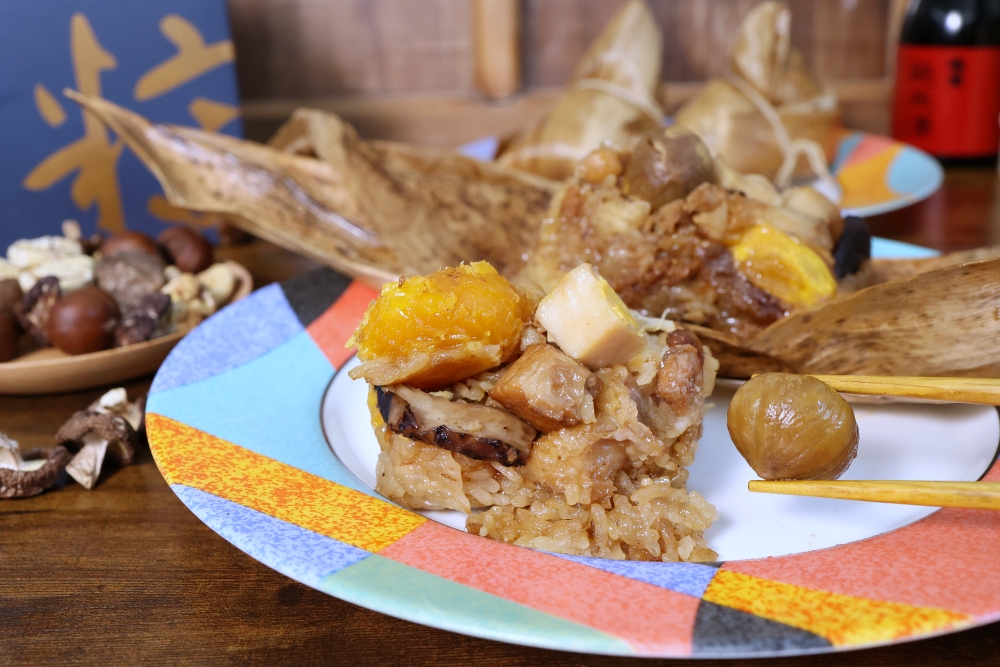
<point x="129" y="242"/>
<point x="186" y="249"/>
<point x="600" y="164"/>
<point x="667" y="164"/>
<point x="793" y="427"/>
<point x="84" y="321"/>
<point x="10" y="334"/>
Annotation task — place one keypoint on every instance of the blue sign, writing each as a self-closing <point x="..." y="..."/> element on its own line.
<point x="170" y="60"/>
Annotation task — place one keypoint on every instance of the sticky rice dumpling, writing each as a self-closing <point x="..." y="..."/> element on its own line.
<point x="575" y="439"/>
<point x="611" y="98"/>
<point x="770" y="115"/>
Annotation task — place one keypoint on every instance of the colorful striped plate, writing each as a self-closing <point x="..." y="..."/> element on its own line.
<point x="234" y="423"/>
<point x="878" y="174"/>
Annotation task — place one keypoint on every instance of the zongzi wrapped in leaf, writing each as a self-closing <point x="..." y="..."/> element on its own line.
<point x="770" y="111"/>
<point x="610" y="98"/>
<point x="374" y="210"/>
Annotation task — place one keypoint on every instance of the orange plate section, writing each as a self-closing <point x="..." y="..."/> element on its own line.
<point x="650" y="618"/>
<point x="943" y="561"/>
<point x="331" y="330"/>
<point x="194" y="458"/>
<point x="842" y="619"/>
<point x="864" y="183"/>
<point x="869" y="147"/>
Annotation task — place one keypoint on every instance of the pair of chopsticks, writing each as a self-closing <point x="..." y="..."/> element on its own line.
<point x="972" y="495"/>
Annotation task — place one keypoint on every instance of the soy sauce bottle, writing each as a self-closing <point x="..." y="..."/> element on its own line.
<point x="947" y="98"/>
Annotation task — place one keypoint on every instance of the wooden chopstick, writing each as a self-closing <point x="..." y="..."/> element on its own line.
<point x="984" y="391"/>
<point x="971" y="495"/>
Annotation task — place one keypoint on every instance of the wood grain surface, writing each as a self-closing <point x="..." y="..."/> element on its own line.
<point x="407" y="69"/>
<point x="448" y="121"/>
<point x="125" y="574"/>
<point x="315" y="48"/>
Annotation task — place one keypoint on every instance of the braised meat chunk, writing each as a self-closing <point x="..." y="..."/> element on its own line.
<point x="547" y="389"/>
<point x="681" y="372"/>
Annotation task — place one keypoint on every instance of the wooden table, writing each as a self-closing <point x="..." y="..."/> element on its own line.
<point x="125" y="574"/>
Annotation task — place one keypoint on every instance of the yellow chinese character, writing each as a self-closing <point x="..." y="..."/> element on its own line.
<point x="193" y="58"/>
<point x="94" y="156"/>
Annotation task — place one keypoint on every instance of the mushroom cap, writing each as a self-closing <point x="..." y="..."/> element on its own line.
<point x="33" y="311"/>
<point x="121" y="437"/>
<point x="134" y="412"/>
<point x="24" y="483"/>
<point x="130" y="276"/>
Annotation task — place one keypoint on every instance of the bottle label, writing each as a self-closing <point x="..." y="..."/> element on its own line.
<point x="947" y="99"/>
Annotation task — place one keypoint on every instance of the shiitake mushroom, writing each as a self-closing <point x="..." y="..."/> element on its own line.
<point x="186" y="249"/>
<point x="793" y="427"/>
<point x="84" y="321"/>
<point x="667" y="164"/>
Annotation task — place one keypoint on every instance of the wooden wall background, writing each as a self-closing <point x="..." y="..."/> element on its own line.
<point x="404" y="69"/>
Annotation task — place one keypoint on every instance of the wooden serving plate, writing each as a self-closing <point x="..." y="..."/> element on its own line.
<point x="48" y="370"/>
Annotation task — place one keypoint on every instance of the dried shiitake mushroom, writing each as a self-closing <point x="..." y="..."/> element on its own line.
<point x="793" y="427"/>
<point x="130" y="275"/>
<point x="93" y="435"/>
<point x="32" y="474"/>
<point x="34" y="309"/>
<point x="148" y="319"/>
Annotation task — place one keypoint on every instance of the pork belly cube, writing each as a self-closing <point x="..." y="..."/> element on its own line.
<point x="681" y="374"/>
<point x="547" y="389"/>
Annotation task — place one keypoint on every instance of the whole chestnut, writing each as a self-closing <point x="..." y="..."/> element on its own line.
<point x="667" y="164"/>
<point x="186" y="249"/>
<point x="129" y="242"/>
<point x="10" y="334"/>
<point x="84" y="321"/>
<point x="793" y="427"/>
<point x="10" y="295"/>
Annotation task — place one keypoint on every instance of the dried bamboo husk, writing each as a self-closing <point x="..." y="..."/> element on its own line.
<point x="377" y="210"/>
<point x="372" y="210"/>
<point x="886" y="269"/>
<point x="766" y="71"/>
<point x="735" y="360"/>
<point x="940" y="322"/>
<point x="611" y="97"/>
